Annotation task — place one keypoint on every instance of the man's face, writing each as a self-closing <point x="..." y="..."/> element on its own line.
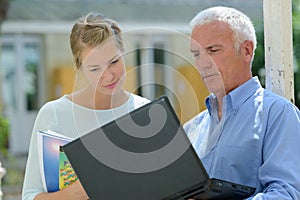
<point x="215" y="57"/>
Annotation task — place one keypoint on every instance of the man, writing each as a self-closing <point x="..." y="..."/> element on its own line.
<point x="247" y="134"/>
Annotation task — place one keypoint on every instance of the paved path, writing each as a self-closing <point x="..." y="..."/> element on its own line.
<point x="15" y="167"/>
<point x="12" y="197"/>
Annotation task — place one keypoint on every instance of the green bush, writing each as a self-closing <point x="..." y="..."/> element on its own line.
<point x="4" y="134"/>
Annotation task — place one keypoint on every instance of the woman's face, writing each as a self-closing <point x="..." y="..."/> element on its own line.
<point x="104" y="68"/>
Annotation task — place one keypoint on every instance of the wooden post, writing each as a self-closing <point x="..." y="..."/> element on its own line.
<point x="279" y="47"/>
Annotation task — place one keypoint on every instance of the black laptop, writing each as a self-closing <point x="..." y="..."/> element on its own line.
<point x="146" y="155"/>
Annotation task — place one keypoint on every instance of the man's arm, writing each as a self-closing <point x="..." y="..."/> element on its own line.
<point x="279" y="175"/>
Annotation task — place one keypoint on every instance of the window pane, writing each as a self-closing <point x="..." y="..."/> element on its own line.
<point x="8" y="73"/>
<point x="159" y="60"/>
<point x="31" y="79"/>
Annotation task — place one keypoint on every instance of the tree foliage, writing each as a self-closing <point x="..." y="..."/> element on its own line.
<point x="296" y="44"/>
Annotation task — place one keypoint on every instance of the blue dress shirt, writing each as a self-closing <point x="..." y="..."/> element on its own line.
<point x="256" y="142"/>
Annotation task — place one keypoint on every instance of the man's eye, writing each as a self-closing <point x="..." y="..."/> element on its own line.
<point x="210" y="51"/>
<point x="196" y="54"/>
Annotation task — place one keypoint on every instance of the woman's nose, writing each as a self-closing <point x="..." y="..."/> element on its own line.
<point x="107" y="75"/>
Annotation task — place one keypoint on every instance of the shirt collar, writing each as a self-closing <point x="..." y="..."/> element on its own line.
<point x="237" y="96"/>
<point x="240" y="95"/>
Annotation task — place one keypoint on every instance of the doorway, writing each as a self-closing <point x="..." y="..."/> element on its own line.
<point x="22" y="87"/>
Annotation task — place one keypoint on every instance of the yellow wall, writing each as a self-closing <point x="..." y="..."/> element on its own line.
<point x="131" y="83"/>
<point x="192" y="92"/>
<point x="57" y="54"/>
<point x="63" y="81"/>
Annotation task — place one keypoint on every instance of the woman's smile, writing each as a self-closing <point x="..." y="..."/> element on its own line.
<point x="112" y="85"/>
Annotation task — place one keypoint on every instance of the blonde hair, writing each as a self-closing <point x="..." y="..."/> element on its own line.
<point x="92" y="30"/>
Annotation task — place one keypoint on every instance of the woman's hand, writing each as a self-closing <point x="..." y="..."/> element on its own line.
<point x="76" y="191"/>
<point x="73" y="192"/>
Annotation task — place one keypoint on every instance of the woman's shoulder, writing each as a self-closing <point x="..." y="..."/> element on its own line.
<point x="139" y="99"/>
<point x="61" y="102"/>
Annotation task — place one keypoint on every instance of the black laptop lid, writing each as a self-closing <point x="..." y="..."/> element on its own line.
<point x="142" y="155"/>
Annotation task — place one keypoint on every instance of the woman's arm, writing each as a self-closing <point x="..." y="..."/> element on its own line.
<point x="73" y="192"/>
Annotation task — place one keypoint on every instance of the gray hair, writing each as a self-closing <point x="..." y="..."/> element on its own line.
<point x="239" y="23"/>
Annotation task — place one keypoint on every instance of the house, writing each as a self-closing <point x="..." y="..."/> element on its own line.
<point x="37" y="65"/>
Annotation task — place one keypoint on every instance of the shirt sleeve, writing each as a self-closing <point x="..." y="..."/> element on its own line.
<point x="33" y="183"/>
<point x="279" y="176"/>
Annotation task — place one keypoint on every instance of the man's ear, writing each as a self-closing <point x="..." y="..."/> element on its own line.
<point x="247" y="49"/>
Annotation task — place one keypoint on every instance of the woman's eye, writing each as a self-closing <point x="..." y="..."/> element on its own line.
<point x="95" y="69"/>
<point x="92" y="70"/>
<point x="115" y="61"/>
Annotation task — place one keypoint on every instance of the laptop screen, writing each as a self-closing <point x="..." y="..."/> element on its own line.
<point x="142" y="155"/>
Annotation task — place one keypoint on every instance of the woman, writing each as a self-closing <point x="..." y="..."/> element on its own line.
<point x="97" y="48"/>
